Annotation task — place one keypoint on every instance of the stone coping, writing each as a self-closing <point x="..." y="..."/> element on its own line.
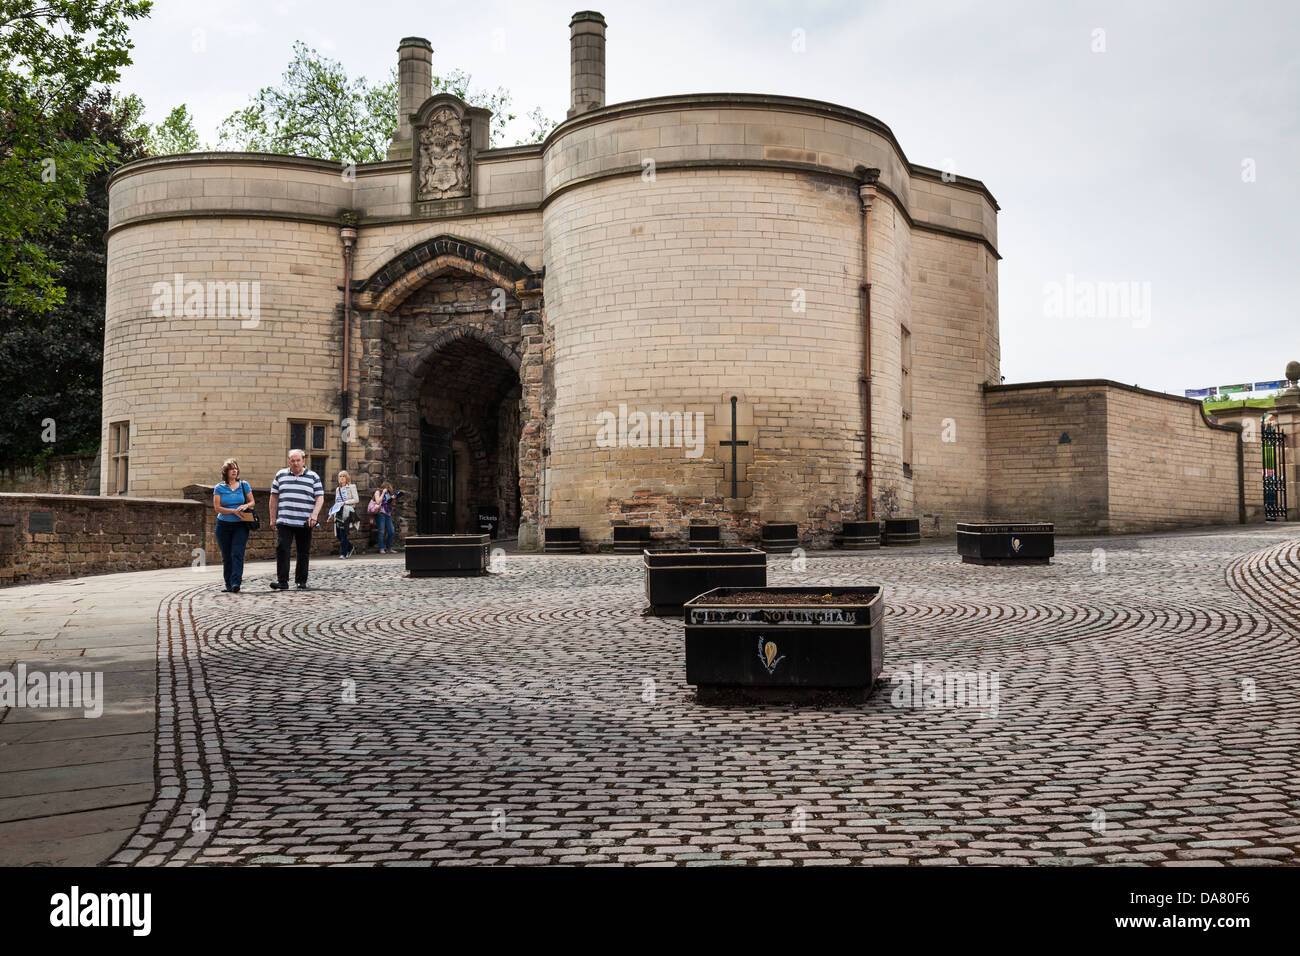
<point x="778" y="103"/>
<point x="658" y="104"/>
<point x="1109" y="383"/>
<point x="103" y="500"/>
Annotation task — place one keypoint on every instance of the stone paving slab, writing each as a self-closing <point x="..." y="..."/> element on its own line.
<point x="37" y="807"/>
<point x="56" y="765"/>
<point x="68" y="839"/>
<point x="72" y="787"/>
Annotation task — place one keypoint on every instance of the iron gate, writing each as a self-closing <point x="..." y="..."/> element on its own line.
<point x="1274" y="442"/>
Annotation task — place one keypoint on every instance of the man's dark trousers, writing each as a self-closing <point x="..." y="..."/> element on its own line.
<point x="285" y="536"/>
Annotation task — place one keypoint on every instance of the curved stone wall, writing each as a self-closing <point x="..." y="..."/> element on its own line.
<point x="672" y="295"/>
<point x="218" y="374"/>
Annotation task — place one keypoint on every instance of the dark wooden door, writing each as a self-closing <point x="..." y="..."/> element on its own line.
<point x="437" y="507"/>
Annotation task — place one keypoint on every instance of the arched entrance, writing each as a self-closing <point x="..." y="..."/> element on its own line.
<point x="451" y="387"/>
<point x="468" y="408"/>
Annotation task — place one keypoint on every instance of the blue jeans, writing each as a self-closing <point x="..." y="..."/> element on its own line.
<point x="341" y="532"/>
<point x="232" y="536"/>
<point x="384" y="524"/>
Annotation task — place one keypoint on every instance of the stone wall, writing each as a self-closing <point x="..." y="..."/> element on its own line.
<point x="59" y="475"/>
<point x="670" y="297"/>
<point x="94" y="535"/>
<point x="1046" y="456"/>
<point x="1097" y="456"/>
<point x="201" y="388"/>
<point x="673" y="290"/>
<point x="1170" y="468"/>
<point x="954" y="323"/>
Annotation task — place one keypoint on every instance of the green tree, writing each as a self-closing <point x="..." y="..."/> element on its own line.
<point x="52" y="52"/>
<point x="50" y="361"/>
<point x="175" y="134"/>
<point x="542" y="126"/>
<point x="317" y="110"/>
<point x="457" y="83"/>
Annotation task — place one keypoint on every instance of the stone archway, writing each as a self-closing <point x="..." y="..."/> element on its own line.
<point x="454" y="333"/>
<point x="468" y="390"/>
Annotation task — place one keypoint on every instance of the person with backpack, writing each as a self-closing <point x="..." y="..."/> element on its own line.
<point x="381" y="507"/>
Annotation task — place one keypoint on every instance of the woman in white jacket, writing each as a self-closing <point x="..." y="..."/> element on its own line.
<point x="345" y="503"/>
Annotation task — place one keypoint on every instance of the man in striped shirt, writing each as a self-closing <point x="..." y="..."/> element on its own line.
<point x="297" y="495"/>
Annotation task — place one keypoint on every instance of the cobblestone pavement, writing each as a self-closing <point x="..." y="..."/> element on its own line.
<point x="1147" y="713"/>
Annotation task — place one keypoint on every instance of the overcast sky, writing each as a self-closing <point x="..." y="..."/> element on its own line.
<point x="1161" y="152"/>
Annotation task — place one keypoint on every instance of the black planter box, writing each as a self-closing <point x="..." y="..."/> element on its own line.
<point x="630" y="539"/>
<point x="901" y="531"/>
<point x="786" y="650"/>
<point x="673" y="577"/>
<point x="705" y="536"/>
<point x="562" y="541"/>
<point x="860" y="536"/>
<point x="779" y="538"/>
<point x="447" y="555"/>
<point x="1025" y="542"/>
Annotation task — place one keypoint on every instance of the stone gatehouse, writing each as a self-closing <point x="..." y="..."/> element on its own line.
<point x="662" y="256"/>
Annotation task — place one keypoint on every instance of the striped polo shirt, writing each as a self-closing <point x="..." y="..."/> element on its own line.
<point x="297" y="495"/>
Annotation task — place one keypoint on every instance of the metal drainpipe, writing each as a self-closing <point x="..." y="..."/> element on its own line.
<point x="348" y="236"/>
<point x="867" y="193"/>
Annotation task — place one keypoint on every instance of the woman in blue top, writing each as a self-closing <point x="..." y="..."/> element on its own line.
<point x="232" y="498"/>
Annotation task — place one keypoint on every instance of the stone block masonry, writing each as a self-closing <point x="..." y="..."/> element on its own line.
<point x="43" y="537"/>
<point x="1097" y="456"/>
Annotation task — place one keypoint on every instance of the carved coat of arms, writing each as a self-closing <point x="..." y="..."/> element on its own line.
<point x="444" y="156"/>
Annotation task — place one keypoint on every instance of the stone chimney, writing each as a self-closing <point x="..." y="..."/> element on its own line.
<point x="414" y="86"/>
<point x="587" y="61"/>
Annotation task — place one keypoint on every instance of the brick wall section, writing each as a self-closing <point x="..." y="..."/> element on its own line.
<point x="1136" y="460"/>
<point x="95" y="535"/>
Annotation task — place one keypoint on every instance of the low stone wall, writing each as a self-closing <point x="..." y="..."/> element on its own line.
<point x="43" y="537"/>
<point x="60" y="475"/>
<point x="1095" y="456"/>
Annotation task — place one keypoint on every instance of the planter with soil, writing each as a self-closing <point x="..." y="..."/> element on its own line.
<point x="995" y="543"/>
<point x="447" y="555"/>
<point x="673" y="577"/>
<point x="786" y="643"/>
